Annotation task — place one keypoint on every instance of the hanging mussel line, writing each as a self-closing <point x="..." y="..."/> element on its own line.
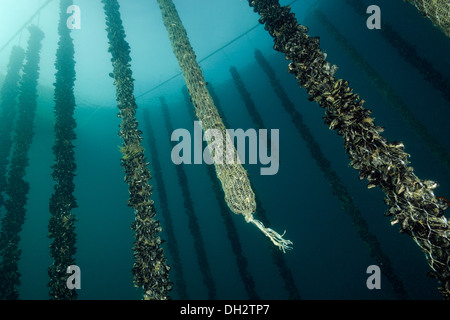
<point x="194" y="228"/>
<point x="277" y="256"/>
<point x="61" y="229"/>
<point x="421" y="131"/>
<point x="17" y="188"/>
<point x="172" y="243"/>
<point x="336" y="184"/>
<point x="412" y="202"/>
<point x="407" y="51"/>
<point x="150" y="270"/>
<point x="9" y="93"/>
<point x="235" y="183"/>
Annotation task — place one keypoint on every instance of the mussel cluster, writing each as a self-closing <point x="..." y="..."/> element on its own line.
<point x="61" y="227"/>
<point x="412" y="202"/>
<point x="17" y="188"/>
<point x="150" y="269"/>
<point x="62" y="249"/>
<point x="9" y="93"/>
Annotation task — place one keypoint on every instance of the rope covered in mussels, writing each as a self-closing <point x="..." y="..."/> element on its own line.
<point x="61" y="224"/>
<point x="235" y="183"/>
<point x="9" y="93"/>
<point x="150" y="269"/>
<point x="412" y="202"/>
<point x="17" y="188"/>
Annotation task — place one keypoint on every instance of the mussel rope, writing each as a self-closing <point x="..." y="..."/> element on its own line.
<point x="61" y="229"/>
<point x="9" y="93"/>
<point x="235" y="183"/>
<point x="17" y="188"/>
<point x="412" y="202"/>
<point x="150" y="269"/>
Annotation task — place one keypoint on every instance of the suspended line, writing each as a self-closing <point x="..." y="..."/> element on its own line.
<point x="25" y="24"/>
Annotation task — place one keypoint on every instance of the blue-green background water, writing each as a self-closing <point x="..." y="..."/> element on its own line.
<point x="328" y="260"/>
